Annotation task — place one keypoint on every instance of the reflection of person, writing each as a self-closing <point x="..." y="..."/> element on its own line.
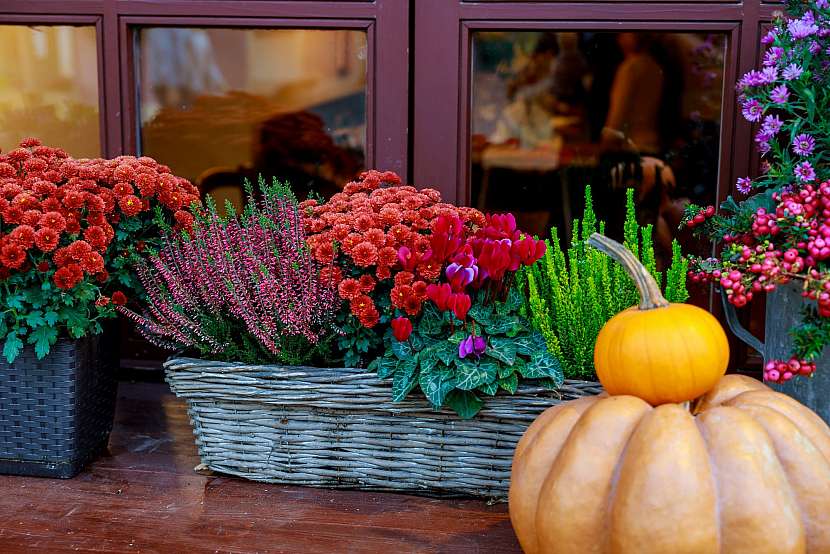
<point x="568" y="70"/>
<point x="633" y="121"/>
<point x="183" y="65"/>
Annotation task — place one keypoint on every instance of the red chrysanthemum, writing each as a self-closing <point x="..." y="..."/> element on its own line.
<point x="130" y="205"/>
<point x="13" y="214"/>
<point x="399" y="295"/>
<point x="184" y="219"/>
<point x="46" y="239"/>
<point x="79" y="249"/>
<point x="367" y="284"/>
<point x="349" y="289"/>
<point x="68" y="276"/>
<point x="24" y="235"/>
<point x="369" y="318"/>
<point x="412" y="305"/>
<point x="102" y="276"/>
<point x="404" y="278"/>
<point x="31" y="217"/>
<point x="365" y="254"/>
<point x="30" y="142"/>
<point x="119" y="298"/>
<point x="7" y="170"/>
<point x="12" y="255"/>
<point x="53" y="220"/>
<point x="376" y="237"/>
<point x="419" y="289"/>
<point x="73" y="227"/>
<point x="360" y="304"/>
<point x="429" y="271"/>
<point x="43" y="267"/>
<point x="324" y="253"/>
<point x="97" y="238"/>
<point x="123" y="189"/>
<point x="92" y="263"/>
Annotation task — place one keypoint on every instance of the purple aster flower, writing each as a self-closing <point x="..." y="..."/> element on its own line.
<point x="802" y="28"/>
<point x="780" y="94"/>
<point x="753" y="78"/>
<point x="792" y="72"/>
<point x="744" y="185"/>
<point x="769" y="75"/>
<point x="805" y="172"/>
<point x="804" y="144"/>
<point x="822" y="4"/>
<point x="772" y="124"/>
<point x="769" y="38"/>
<point x="763" y="135"/>
<point x="752" y="110"/>
<point x="815" y="47"/>
<point x="764" y="148"/>
<point x="472" y="345"/>
<point x="773" y="55"/>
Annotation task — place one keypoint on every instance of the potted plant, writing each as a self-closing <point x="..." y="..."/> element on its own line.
<point x="68" y="230"/>
<point x="774" y="240"/>
<point x="371" y="341"/>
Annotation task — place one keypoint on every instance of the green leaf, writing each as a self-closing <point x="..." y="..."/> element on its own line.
<point x="51" y="317"/>
<point x="15" y="301"/>
<point x="529" y="343"/>
<point x="437" y="383"/>
<point x="76" y="321"/>
<point x="502" y="349"/>
<point x="542" y="365"/>
<point x="402" y="350"/>
<point x="511" y="304"/>
<point x="457" y="337"/>
<point x="481" y="314"/>
<point x="502" y="324"/>
<point x="490" y="388"/>
<point x="34" y="318"/>
<point x="464" y="403"/>
<point x="405" y="378"/>
<point x="43" y="338"/>
<point x="508" y="370"/>
<point x="509" y="383"/>
<point x="432" y="321"/>
<point x="447" y="352"/>
<point x="473" y="374"/>
<point x="428" y="357"/>
<point x="12" y="347"/>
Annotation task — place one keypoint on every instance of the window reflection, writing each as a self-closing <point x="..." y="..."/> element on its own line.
<point x="221" y="105"/>
<point x="49" y="87"/>
<point x="554" y="111"/>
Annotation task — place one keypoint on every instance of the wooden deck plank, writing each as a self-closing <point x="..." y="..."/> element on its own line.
<point x="143" y="496"/>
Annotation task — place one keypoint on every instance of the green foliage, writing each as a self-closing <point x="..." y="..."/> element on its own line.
<point x="570" y="295"/>
<point x="429" y="360"/>
<point x="36" y="312"/>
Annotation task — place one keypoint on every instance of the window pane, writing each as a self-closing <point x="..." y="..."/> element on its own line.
<point x="221" y="105"/>
<point x="554" y="111"/>
<point x="49" y="87"/>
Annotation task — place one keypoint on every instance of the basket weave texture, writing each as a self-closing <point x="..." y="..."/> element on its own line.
<point x="338" y="428"/>
<point x="56" y="413"/>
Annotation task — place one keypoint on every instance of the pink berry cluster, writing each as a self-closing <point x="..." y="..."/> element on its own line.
<point x="780" y="371"/>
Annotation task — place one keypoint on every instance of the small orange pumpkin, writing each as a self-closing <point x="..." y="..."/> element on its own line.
<point x="747" y="470"/>
<point x="657" y="351"/>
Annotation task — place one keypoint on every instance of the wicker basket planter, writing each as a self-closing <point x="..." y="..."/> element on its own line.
<point x="56" y="413"/>
<point x="338" y="428"/>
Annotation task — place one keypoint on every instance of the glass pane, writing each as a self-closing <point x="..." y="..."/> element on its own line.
<point x="555" y="111"/>
<point x="221" y="105"/>
<point x="49" y="87"/>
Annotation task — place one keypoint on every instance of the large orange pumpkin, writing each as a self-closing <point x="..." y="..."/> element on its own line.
<point x="657" y="351"/>
<point x="746" y="470"/>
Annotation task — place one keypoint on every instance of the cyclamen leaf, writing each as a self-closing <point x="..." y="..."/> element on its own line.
<point x="43" y="338"/>
<point x="508" y="370"/>
<point x="12" y="347"/>
<point x="542" y="365"/>
<point x="510" y="383"/>
<point x="481" y="314"/>
<point x="437" y="383"/>
<point x="457" y="337"/>
<point x="405" y="378"/>
<point x="432" y="321"/>
<point x="402" y="350"/>
<point x="447" y="352"/>
<point x="464" y="403"/>
<point x="471" y="375"/>
<point x="502" y="349"/>
<point x="490" y="388"/>
<point x="428" y="358"/>
<point x="502" y="325"/>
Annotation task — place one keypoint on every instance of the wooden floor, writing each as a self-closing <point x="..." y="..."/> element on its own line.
<point x="145" y="497"/>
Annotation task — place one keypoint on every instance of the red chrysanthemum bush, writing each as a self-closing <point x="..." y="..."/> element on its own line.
<point x="69" y="232"/>
<point x="364" y="231"/>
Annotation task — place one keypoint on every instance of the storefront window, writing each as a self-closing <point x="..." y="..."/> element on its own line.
<point x="222" y="105"/>
<point x="49" y="87"/>
<point x="555" y="111"/>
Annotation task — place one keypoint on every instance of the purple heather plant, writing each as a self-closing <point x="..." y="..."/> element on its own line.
<point x="245" y="286"/>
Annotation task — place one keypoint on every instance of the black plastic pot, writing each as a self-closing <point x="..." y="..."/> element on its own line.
<point x="56" y="413"/>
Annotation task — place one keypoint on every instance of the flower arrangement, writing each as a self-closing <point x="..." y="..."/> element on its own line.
<point x="570" y="298"/>
<point x="69" y="230"/>
<point x="242" y="288"/>
<point x="780" y="233"/>
<point x="430" y="292"/>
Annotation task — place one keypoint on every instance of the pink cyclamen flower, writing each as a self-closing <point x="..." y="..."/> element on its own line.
<point x="472" y="346"/>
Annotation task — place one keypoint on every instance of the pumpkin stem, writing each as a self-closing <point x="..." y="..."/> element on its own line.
<point x="650" y="295"/>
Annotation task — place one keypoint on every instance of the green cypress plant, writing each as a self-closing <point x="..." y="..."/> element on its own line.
<point x="570" y="294"/>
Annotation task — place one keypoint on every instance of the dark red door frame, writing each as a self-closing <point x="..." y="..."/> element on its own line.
<point x="442" y="30"/>
<point x="385" y="21"/>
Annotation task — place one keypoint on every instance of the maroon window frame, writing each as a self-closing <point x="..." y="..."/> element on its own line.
<point x="386" y="23"/>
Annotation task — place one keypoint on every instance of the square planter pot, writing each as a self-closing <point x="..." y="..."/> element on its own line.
<point x="56" y="413"/>
<point x="338" y="428"/>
